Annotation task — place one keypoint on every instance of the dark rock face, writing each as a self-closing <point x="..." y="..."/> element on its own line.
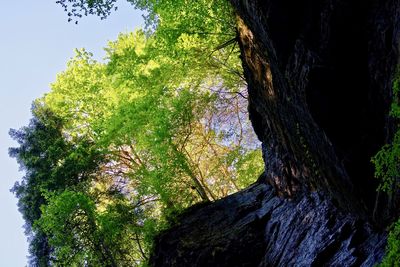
<point x="256" y="228"/>
<point x="319" y="77"/>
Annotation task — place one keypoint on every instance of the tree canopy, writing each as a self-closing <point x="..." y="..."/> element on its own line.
<point x="117" y="148"/>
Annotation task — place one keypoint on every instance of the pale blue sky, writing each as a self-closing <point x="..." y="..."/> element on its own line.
<point x="36" y="42"/>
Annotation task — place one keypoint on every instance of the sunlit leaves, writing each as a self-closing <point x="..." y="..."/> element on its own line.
<point x="62" y="218"/>
<point x="158" y="126"/>
<point x="79" y="95"/>
<point x="169" y="137"/>
<point x="81" y="232"/>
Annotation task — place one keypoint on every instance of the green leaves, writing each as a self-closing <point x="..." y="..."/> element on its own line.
<point x="79" y="95"/>
<point x="387" y="160"/>
<point x="80" y="232"/>
<point x="167" y="136"/>
<point x="76" y="9"/>
<point x="392" y="256"/>
<point x="118" y="147"/>
<point x="387" y="165"/>
<point x="387" y="169"/>
<point x="51" y="164"/>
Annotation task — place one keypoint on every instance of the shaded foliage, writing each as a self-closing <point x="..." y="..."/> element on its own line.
<point x="392" y="256"/>
<point x="387" y="160"/>
<point x="387" y="169"/>
<point x="50" y="164"/>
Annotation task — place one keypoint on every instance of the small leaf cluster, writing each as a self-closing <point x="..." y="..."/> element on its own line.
<point x="75" y="9"/>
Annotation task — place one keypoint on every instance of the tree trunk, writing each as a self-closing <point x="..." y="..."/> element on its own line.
<point x="319" y="77"/>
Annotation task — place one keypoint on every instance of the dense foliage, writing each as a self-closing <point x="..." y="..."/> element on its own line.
<point x="51" y="163"/>
<point x="117" y="148"/>
<point x="387" y="160"/>
<point x="392" y="257"/>
<point x="387" y="169"/>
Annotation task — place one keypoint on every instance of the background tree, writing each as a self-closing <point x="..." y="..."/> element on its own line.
<point x="51" y="164"/>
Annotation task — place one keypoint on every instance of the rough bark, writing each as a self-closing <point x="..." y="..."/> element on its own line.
<point x="319" y="77"/>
